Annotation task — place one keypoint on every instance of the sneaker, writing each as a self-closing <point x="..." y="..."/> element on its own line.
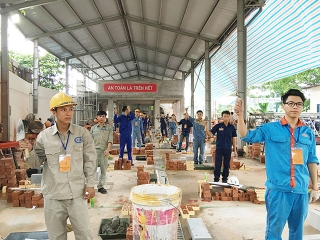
<point x="102" y="190"/>
<point x="195" y="163"/>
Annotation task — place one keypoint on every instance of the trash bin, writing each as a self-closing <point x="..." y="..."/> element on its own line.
<point x="30" y="235"/>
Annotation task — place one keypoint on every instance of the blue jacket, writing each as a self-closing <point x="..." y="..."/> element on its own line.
<point x="198" y="128"/>
<point x="137" y="125"/>
<point x="277" y="139"/>
<point x="125" y="122"/>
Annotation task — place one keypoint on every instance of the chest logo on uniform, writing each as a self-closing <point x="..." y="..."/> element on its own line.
<point x="221" y="129"/>
<point x="304" y="135"/>
<point x="78" y="140"/>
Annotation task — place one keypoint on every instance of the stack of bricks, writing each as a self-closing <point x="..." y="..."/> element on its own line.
<point x="129" y="233"/>
<point x="175" y="165"/>
<point x="21" y="174"/>
<point x="143" y="177"/>
<point x="254" y="150"/>
<point x="116" y="138"/>
<point x="150" y="160"/>
<point x="262" y="158"/>
<point x="142" y="151"/>
<point x="206" y="192"/>
<point x="8" y="172"/>
<point x="16" y="198"/>
<point x="37" y="200"/>
<point x="135" y="151"/>
<point x="9" y="195"/>
<point x="189" y="165"/>
<point x="126" y="209"/>
<point x="174" y="139"/>
<point x="125" y="163"/>
<point x="234" y="194"/>
<point x="149" y="146"/>
<point x="28" y="198"/>
<point x="235" y="165"/>
<point x="114" y="151"/>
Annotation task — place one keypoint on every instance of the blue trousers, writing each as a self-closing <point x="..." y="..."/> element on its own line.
<point x="198" y="143"/>
<point x="182" y="136"/>
<point x="125" y="139"/>
<point x="226" y="154"/>
<point x="172" y="131"/>
<point x="282" y="207"/>
<point x="136" y="135"/>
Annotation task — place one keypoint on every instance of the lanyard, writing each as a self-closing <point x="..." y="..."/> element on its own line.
<point x="295" y="140"/>
<point x="65" y="146"/>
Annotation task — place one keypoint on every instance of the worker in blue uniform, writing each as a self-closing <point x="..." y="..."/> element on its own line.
<point x="290" y="162"/>
<point x="125" y="130"/>
<point x="186" y="126"/>
<point x="226" y="138"/>
<point x="137" y="129"/>
<point x="163" y="125"/>
<point x="172" y="125"/>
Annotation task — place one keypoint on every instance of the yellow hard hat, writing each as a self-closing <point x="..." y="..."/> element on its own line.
<point x="61" y="99"/>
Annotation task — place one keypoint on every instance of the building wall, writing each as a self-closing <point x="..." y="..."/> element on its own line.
<point x="20" y="100"/>
<point x="314" y="98"/>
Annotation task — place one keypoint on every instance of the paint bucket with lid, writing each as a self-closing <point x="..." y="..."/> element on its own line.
<point x="155" y="211"/>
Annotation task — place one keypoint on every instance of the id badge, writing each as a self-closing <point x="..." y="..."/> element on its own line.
<point x="221" y="129"/>
<point x="297" y="156"/>
<point x="65" y="162"/>
<point x="185" y="126"/>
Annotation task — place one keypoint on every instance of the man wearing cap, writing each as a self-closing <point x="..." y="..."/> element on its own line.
<point x="137" y="129"/>
<point x="69" y="157"/>
<point x="125" y="130"/>
<point x="102" y="134"/>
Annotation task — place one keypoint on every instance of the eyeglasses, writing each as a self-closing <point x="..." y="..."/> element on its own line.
<point x="292" y="104"/>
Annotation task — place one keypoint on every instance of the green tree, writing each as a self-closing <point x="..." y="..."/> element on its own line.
<point x="50" y="69"/>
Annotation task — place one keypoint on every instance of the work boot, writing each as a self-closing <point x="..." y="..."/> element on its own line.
<point x="102" y="190"/>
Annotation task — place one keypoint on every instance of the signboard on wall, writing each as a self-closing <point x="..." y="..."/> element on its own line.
<point x="130" y="87"/>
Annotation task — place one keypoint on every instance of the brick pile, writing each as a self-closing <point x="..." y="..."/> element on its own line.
<point x="149" y="146"/>
<point x="143" y="177"/>
<point x="129" y="233"/>
<point x="175" y="165"/>
<point x="116" y="138"/>
<point x="114" y="151"/>
<point x="150" y="160"/>
<point x="28" y="198"/>
<point x="234" y="194"/>
<point x="174" y="139"/>
<point x="206" y="192"/>
<point x="37" y="200"/>
<point x="8" y="172"/>
<point x="21" y="174"/>
<point x="235" y="165"/>
<point x="141" y="151"/>
<point x="122" y="164"/>
<point x="254" y="150"/>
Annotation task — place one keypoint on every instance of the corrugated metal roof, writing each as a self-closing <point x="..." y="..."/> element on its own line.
<point x="122" y="39"/>
<point x="282" y="41"/>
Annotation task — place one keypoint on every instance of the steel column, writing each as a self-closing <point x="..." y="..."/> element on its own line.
<point x="35" y="79"/>
<point x="192" y="88"/>
<point x="242" y="58"/>
<point x="156" y="114"/>
<point x="67" y="76"/>
<point x="207" y="83"/>
<point x="5" y="107"/>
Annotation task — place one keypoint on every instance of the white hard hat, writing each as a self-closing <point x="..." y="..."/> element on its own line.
<point x="233" y="180"/>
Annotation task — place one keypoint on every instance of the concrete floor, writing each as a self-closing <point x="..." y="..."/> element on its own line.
<point x="224" y="220"/>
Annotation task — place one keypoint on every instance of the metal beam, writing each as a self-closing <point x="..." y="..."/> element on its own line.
<point x="26" y="5"/>
<point x="68" y="29"/>
<point x="141" y="70"/>
<point x="98" y="50"/>
<point x="137" y="60"/>
<point x="170" y="29"/>
<point x="164" y="52"/>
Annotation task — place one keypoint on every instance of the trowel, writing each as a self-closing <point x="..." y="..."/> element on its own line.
<point x="21" y="135"/>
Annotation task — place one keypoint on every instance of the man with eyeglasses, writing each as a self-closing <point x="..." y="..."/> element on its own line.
<point x="200" y="131"/>
<point x="290" y="162"/>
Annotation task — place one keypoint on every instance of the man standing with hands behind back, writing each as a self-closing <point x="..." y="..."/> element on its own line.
<point x="226" y="138"/>
<point x="102" y="134"/>
<point x="69" y="157"/>
<point x="290" y="162"/>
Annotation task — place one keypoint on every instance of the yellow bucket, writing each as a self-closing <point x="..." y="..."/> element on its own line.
<point x="155" y="211"/>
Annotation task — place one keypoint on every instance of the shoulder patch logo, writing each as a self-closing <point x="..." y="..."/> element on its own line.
<point x="78" y="139"/>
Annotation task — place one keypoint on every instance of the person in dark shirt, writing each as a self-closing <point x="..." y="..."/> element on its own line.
<point x="163" y="125"/>
<point x="226" y="138"/>
<point x="186" y="126"/>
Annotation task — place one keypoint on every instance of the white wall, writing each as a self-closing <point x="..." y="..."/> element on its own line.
<point x="20" y="100"/>
<point x="314" y="98"/>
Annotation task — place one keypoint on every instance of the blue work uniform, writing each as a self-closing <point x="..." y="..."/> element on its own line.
<point x="225" y="135"/>
<point x="186" y="125"/>
<point x="287" y="183"/>
<point x="163" y="126"/>
<point x="144" y="129"/>
<point x="199" y="137"/>
<point x="172" y="128"/>
<point x="125" y="133"/>
<point x="137" y="128"/>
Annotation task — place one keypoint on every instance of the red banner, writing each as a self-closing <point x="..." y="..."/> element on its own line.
<point x="130" y="87"/>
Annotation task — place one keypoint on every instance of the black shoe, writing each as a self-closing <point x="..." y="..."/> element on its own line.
<point x="195" y="163"/>
<point x="132" y="164"/>
<point x="178" y="150"/>
<point x="216" y="180"/>
<point x="102" y="190"/>
<point x="201" y="163"/>
<point x="225" y="181"/>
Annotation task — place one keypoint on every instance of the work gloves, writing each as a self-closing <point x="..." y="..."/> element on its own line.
<point x="314" y="196"/>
